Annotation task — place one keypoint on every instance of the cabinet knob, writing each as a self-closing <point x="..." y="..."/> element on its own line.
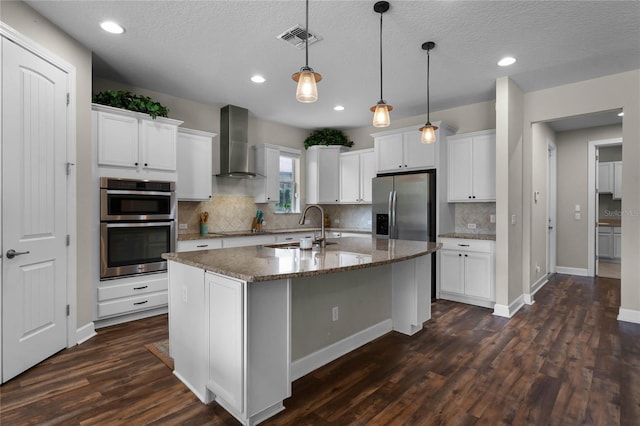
<point x="469" y="196"/>
<point x="400" y="166"/>
<point x="459" y="254"/>
<point x="474" y="196"/>
<point x="466" y="255"/>
<point x="135" y="164"/>
<point x="405" y="165"/>
<point x="145" y="164"/>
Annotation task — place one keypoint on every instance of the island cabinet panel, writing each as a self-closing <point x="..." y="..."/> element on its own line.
<point x="411" y="300"/>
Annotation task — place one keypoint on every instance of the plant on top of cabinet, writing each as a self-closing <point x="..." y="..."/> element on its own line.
<point x="327" y="137"/>
<point x="126" y="100"/>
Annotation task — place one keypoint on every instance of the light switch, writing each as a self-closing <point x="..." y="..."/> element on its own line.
<point x="578" y="216"/>
<point x="513" y="219"/>
<point x="577" y="207"/>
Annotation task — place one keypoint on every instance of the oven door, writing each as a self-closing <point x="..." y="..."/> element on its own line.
<point x="134" y="248"/>
<point x="119" y="205"/>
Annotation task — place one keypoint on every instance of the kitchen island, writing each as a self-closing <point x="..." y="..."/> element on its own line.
<point x="245" y="322"/>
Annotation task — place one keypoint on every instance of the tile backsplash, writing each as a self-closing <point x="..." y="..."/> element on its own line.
<point x="477" y="213"/>
<point x="228" y="213"/>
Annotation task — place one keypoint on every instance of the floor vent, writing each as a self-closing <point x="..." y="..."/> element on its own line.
<point x="295" y="36"/>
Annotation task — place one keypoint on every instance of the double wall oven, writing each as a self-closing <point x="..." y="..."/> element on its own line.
<point x="137" y="225"/>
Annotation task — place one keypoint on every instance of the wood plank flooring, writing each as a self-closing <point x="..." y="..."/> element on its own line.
<point x="565" y="360"/>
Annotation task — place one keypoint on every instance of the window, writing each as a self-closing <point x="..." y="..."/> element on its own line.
<point x="289" y="182"/>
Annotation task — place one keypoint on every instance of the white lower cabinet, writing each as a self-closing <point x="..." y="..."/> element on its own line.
<point x="203" y="244"/>
<point x="610" y="242"/>
<point x="131" y="294"/>
<point x="467" y="271"/>
<point x="248" y="241"/>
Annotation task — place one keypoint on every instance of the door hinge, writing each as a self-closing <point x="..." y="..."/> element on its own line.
<point x="68" y="240"/>
<point x="69" y="165"/>
<point x="68" y="310"/>
<point x="68" y="99"/>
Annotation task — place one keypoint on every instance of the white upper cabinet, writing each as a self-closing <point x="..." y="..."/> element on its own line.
<point x="134" y="140"/>
<point x="194" y="165"/>
<point x="617" y="180"/>
<point x="472" y="167"/>
<point x="267" y="189"/>
<point x="401" y="150"/>
<point x="605" y="178"/>
<point x="323" y="174"/>
<point x="357" y="168"/>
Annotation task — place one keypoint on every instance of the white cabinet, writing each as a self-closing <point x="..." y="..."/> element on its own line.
<point x="252" y="240"/>
<point x="472" y="167"/>
<point x="131" y="295"/>
<point x="323" y="174"/>
<point x="201" y="244"/>
<point x="194" y="165"/>
<point x="134" y="140"/>
<point x="617" y="242"/>
<point x="401" y="150"/>
<point x="267" y="189"/>
<point x="610" y="242"/>
<point x="467" y="271"/>
<point x="356" y="171"/>
<point x="617" y="180"/>
<point x="605" y="178"/>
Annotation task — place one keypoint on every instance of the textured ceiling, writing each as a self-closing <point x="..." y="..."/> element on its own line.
<point x="206" y="51"/>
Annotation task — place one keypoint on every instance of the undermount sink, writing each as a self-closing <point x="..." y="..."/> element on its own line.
<point x="294" y="245"/>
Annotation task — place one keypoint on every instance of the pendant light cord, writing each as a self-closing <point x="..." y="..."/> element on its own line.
<point x="381" y="98"/>
<point x="428" y="63"/>
<point x="306" y="37"/>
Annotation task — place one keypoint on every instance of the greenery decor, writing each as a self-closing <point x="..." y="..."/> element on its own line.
<point x="327" y="137"/>
<point x="127" y="100"/>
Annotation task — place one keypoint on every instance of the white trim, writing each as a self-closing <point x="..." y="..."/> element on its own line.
<point x="591" y="192"/>
<point x="528" y="297"/>
<point x="629" y="315"/>
<point x="307" y="364"/>
<point x="106" y="322"/>
<point x="205" y="399"/>
<point x="581" y="272"/>
<point x="35" y="48"/>
<point x="469" y="300"/>
<point x="509" y="311"/>
<point x="195" y="132"/>
<point x="85" y="332"/>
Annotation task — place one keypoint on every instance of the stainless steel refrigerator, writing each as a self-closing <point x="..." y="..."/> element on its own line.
<point x="403" y="206"/>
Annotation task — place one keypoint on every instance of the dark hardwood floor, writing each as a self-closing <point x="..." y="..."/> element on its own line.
<point x="565" y="360"/>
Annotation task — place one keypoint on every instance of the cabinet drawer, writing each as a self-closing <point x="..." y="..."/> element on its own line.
<point x="204" y="244"/>
<point x="460" y="244"/>
<point x="131" y="289"/>
<point x="132" y="304"/>
<point x="617" y="229"/>
<point x="290" y="238"/>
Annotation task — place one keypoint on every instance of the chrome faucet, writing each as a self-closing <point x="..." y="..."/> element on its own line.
<point x="321" y="240"/>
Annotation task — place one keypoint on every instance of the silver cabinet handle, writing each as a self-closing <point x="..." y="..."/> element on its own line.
<point x="12" y="253"/>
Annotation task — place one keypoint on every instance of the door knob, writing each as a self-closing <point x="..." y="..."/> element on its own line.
<point x="12" y="253"/>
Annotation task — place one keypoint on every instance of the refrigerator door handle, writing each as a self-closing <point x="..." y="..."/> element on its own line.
<point x="394" y="204"/>
<point x="391" y="214"/>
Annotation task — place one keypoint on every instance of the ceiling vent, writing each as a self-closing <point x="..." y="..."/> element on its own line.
<point x="295" y="36"/>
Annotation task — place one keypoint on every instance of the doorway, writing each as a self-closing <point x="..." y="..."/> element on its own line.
<point x="551" y="206"/>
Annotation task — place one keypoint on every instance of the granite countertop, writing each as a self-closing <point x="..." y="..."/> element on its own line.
<point x="269" y="263"/>
<point x="196" y="236"/>
<point x="487" y="237"/>
<point x="610" y="221"/>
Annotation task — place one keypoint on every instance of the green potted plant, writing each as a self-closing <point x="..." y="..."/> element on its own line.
<point x="126" y="100"/>
<point x="327" y="137"/>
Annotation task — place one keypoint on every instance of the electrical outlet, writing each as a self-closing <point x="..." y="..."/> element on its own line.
<point x="578" y="216"/>
<point x="335" y="313"/>
<point x="513" y="219"/>
<point x="183" y="226"/>
<point x="184" y="294"/>
<point x="537" y="268"/>
<point x="492" y="218"/>
<point x="336" y="221"/>
<point x="471" y="225"/>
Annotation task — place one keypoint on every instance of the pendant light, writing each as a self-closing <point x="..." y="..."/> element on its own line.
<point x="307" y="91"/>
<point x="429" y="130"/>
<point x="381" y="109"/>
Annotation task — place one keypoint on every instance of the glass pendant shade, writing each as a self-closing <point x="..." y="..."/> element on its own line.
<point x="381" y="115"/>
<point x="307" y="91"/>
<point x="428" y="133"/>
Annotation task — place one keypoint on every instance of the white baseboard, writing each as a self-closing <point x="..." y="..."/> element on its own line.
<point x="509" y="311"/>
<point x="629" y="315"/>
<point x="205" y="398"/>
<point x="307" y="364"/>
<point x="572" y="271"/>
<point x="85" y="333"/>
<point x="528" y="297"/>
<point x="107" y="322"/>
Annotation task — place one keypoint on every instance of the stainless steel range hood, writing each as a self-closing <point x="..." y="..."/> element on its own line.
<point x="234" y="143"/>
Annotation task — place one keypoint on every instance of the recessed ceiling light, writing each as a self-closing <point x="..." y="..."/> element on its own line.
<point x="506" y="61"/>
<point x="258" y="79"/>
<point x="111" y="27"/>
<point x="338" y="108"/>
<point x="621" y="114"/>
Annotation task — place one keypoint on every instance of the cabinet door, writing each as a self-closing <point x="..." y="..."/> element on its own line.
<point x="158" y="145"/>
<point x="389" y="153"/>
<point x="194" y="167"/>
<point x="477" y="271"/>
<point x="605" y="242"/>
<point x="117" y="140"/>
<point x="349" y="178"/>
<point x="418" y="155"/>
<point x="272" y="173"/>
<point x="484" y="168"/>
<point x="459" y="155"/>
<point x="617" y="246"/>
<point x="451" y="271"/>
<point x="225" y="301"/>
<point x="617" y="180"/>
<point x="367" y="173"/>
<point x="605" y="178"/>
<point x="329" y="175"/>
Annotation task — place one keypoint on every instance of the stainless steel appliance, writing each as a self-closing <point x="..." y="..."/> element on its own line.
<point x="403" y="206"/>
<point x="137" y="225"/>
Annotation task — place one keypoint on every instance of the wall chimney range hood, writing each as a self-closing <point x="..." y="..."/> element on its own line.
<point x="234" y="143"/>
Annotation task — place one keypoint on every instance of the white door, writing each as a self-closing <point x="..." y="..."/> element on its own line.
<point x="551" y="208"/>
<point x="34" y="209"/>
